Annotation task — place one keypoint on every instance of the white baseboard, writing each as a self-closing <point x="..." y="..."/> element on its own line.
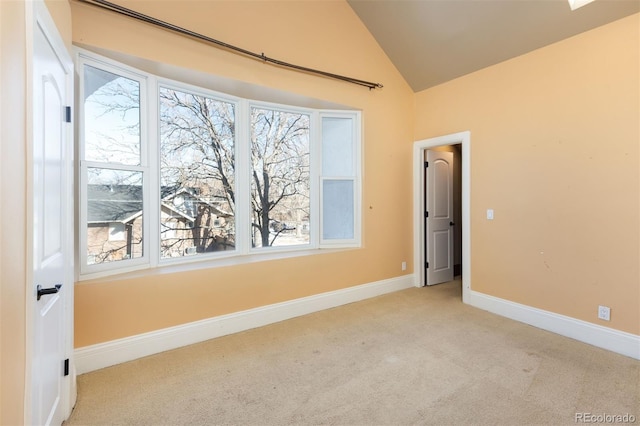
<point x="95" y="357"/>
<point x="607" y="338"/>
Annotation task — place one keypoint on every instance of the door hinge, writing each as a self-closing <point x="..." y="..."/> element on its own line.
<point x="67" y="114"/>
<point x="426" y="265"/>
<point x="66" y="367"/>
<point x="426" y="164"/>
<point x="426" y="214"/>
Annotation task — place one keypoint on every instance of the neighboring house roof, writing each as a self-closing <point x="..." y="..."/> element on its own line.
<point x="113" y="203"/>
<point x="190" y="202"/>
<point x="123" y="203"/>
<point x="179" y="213"/>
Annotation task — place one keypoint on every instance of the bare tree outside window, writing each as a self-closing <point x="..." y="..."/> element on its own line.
<point x="197" y="176"/>
<point x="197" y="173"/>
<point x="279" y="178"/>
<point x="111" y="118"/>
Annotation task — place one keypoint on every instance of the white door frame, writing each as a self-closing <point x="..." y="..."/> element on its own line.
<point x="419" y="147"/>
<point x="37" y="14"/>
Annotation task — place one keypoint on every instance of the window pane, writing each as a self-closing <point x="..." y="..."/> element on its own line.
<point x="114" y="215"/>
<point x="111" y="117"/>
<point x="337" y="146"/>
<point x="337" y="210"/>
<point x="197" y="175"/>
<point x="279" y="178"/>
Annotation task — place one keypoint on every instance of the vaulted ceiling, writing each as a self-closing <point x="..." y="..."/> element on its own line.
<point x="433" y="41"/>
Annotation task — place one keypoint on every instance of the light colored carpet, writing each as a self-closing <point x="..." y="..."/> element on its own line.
<point x="415" y="357"/>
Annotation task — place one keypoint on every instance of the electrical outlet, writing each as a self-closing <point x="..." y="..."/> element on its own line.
<point x="604" y="313"/>
<point x="404" y="266"/>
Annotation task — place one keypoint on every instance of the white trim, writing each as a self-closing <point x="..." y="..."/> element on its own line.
<point x="603" y="337"/>
<point x="94" y="357"/>
<point x="31" y="24"/>
<point x="464" y="139"/>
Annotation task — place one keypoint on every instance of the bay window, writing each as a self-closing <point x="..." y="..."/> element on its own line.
<point x="171" y="172"/>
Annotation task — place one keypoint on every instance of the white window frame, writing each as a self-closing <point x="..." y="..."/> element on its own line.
<point x="150" y="166"/>
<point x="105" y="64"/>
<point x="356" y="178"/>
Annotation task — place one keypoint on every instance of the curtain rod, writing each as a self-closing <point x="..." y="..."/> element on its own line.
<point x="259" y="56"/>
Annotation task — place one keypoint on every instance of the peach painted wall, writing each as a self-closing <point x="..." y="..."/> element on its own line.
<point x="325" y="35"/>
<point x="13" y="225"/>
<point x="60" y="11"/>
<point x="555" y="138"/>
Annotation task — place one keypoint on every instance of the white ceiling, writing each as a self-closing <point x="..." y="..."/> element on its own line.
<point x="433" y="41"/>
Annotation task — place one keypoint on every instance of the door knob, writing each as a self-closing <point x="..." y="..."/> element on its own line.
<point x="45" y="291"/>
<point x="451" y="223"/>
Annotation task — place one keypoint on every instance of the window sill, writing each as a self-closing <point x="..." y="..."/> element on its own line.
<point x="141" y="271"/>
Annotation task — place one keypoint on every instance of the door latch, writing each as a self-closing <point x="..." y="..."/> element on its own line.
<point x="45" y="291"/>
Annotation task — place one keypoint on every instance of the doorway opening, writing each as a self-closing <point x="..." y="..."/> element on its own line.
<point x="442" y="214"/>
<point x="458" y="225"/>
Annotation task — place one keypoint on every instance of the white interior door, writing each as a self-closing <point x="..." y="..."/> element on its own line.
<point x="52" y="246"/>
<point x="439" y="217"/>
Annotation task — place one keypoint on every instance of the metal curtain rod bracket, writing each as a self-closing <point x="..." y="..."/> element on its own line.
<point x="259" y="56"/>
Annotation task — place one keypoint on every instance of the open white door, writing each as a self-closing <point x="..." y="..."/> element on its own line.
<point x="52" y="284"/>
<point x="439" y="217"/>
